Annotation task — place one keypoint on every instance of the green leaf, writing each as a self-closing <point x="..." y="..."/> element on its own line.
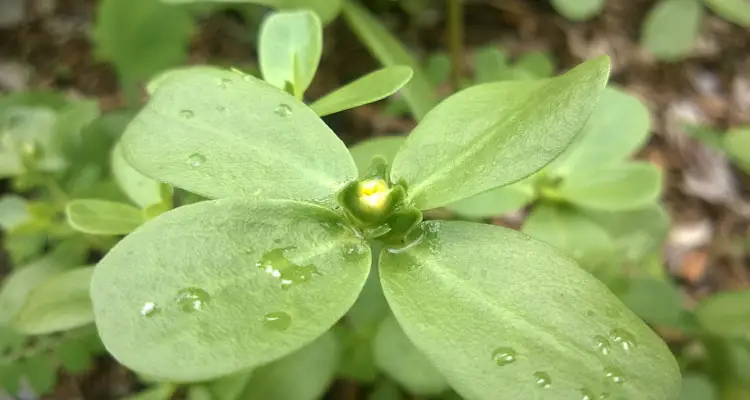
<point x="219" y="133"/>
<point x="141" y="189"/>
<point x="494" y="134"/>
<point x="357" y="358"/>
<point x="534" y="65"/>
<point x="40" y="372"/>
<point x="656" y="302"/>
<point x="737" y="145"/>
<point x="364" y="151"/>
<point x="503" y="316"/>
<point x="578" y="10"/>
<point x="302" y="375"/>
<point x="570" y="231"/>
<point x="386" y="390"/>
<point x="737" y="11"/>
<point x="141" y="37"/>
<point x="637" y="233"/>
<point x="404" y="363"/>
<point x="229" y="387"/>
<point x="370" y="88"/>
<point x="289" y="49"/>
<point x="697" y="387"/>
<point x="198" y="392"/>
<point x="13" y="212"/>
<point x="671" y="28"/>
<point x="101" y="217"/>
<point x="437" y="68"/>
<point x="327" y="10"/>
<point x="617" y="187"/>
<point x="270" y="275"/>
<point x="370" y="309"/>
<point x="725" y="313"/>
<point x="75" y="355"/>
<point x="491" y="65"/>
<point x="16" y="287"/>
<point x="618" y="127"/>
<point x="160" y="392"/>
<point x="419" y="92"/>
<point x="495" y="202"/>
<point x="58" y="304"/>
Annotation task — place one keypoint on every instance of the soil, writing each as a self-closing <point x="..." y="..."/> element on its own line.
<point x="706" y="196"/>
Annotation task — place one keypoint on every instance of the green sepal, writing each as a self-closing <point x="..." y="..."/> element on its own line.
<point x="378" y="169"/>
<point x="402" y="223"/>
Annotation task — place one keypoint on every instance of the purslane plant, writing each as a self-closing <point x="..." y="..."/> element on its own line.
<point x="282" y="251"/>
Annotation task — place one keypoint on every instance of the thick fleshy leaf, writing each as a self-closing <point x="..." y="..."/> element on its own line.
<point x="725" y="313"/>
<point x="495" y="202"/>
<point x="737" y="145"/>
<point x="494" y="134"/>
<point x="616" y="187"/>
<point x="220" y="133"/>
<point x="58" y="304"/>
<point x="737" y="11"/>
<point x="504" y="316"/>
<point x="404" y="363"/>
<point x="364" y="151"/>
<point x="302" y="375"/>
<point x="419" y="92"/>
<point x="141" y="37"/>
<point x="141" y="189"/>
<point x="370" y="88"/>
<point x="220" y="286"/>
<point x="101" y="217"/>
<point x="289" y="49"/>
<point x="571" y="231"/>
<point x="578" y="10"/>
<point x="619" y="126"/>
<point x="671" y="28"/>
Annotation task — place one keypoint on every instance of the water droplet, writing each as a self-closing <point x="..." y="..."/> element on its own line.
<point x="527" y="237"/>
<point x="224" y="82"/>
<point x="614" y="374"/>
<point x="192" y="299"/>
<point x="504" y="356"/>
<point x="604" y="395"/>
<point x="543" y="379"/>
<point x="196" y="159"/>
<point x="623" y="338"/>
<point x="277" y="320"/>
<point x="276" y="264"/>
<point x="354" y="250"/>
<point x="602" y="344"/>
<point x="149" y="309"/>
<point x="587" y="394"/>
<point x="221" y="109"/>
<point x="283" y="110"/>
<point x="187" y="114"/>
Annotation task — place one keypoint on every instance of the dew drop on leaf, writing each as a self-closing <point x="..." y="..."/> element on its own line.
<point x="543" y="379"/>
<point x="187" y="114"/>
<point x="354" y="250"/>
<point x="224" y="83"/>
<point x="196" y="159"/>
<point x="283" y="110"/>
<point x="587" y="394"/>
<point x="192" y="299"/>
<point x="149" y="309"/>
<point x="602" y="344"/>
<point x="277" y="320"/>
<point x="623" y="338"/>
<point x="604" y="395"/>
<point x="614" y="374"/>
<point x="504" y="356"/>
<point x="279" y="266"/>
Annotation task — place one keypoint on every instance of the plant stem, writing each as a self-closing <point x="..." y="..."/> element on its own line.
<point x="455" y="39"/>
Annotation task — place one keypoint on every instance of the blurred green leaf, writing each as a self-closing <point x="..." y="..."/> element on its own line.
<point x="656" y="302"/>
<point x="40" y="372"/>
<point x="618" y="127"/>
<point x="370" y="88"/>
<point x="289" y="51"/>
<point x="737" y="145"/>
<point x="495" y="202"/>
<point x="22" y="248"/>
<point x="437" y="68"/>
<point x="725" y="313"/>
<point x="419" y="92"/>
<point x="370" y="308"/>
<point x="697" y="387"/>
<point x="671" y="28"/>
<point x="364" y="151"/>
<point x="534" y="65"/>
<point x="13" y="212"/>
<point x="614" y="187"/>
<point x="141" y="37"/>
<point x="229" y="387"/>
<point x="141" y="189"/>
<point x="491" y="65"/>
<point x="357" y="359"/>
<point x="707" y="135"/>
<point x="302" y="375"/>
<point x="327" y="10"/>
<point x="161" y="392"/>
<point x="578" y="10"/>
<point x="737" y="11"/>
<point x="398" y="358"/>
<point x="386" y="390"/>
<point x="637" y="233"/>
<point x="198" y="392"/>
<point x="571" y="231"/>
<point x="60" y="303"/>
<point x="101" y="217"/>
<point x="75" y="354"/>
